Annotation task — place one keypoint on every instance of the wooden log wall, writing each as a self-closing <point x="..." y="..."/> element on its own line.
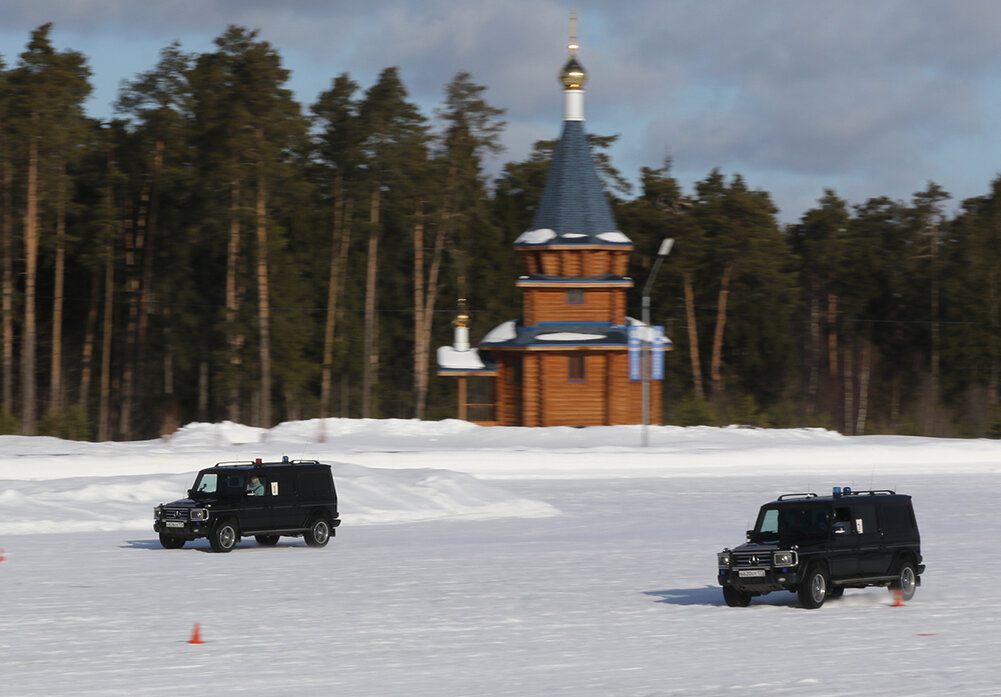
<point x="550" y="305"/>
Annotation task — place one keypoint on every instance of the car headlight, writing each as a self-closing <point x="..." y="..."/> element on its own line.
<point x="785" y="559"/>
<point x="723" y="558"/>
<point x="199" y="514"/>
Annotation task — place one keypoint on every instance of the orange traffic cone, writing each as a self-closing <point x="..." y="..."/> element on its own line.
<point x="196" y="636"/>
<point x="1" y="555"/>
<point x="898" y="598"/>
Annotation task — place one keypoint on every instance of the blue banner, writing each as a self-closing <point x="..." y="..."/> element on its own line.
<point x="635" y="352"/>
<point x="659" y="344"/>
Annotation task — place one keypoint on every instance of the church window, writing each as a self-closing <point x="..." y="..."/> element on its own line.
<point x="576" y="371"/>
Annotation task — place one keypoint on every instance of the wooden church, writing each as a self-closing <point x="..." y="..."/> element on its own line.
<point x="565" y="362"/>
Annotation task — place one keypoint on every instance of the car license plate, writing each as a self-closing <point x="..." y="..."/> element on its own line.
<point x="175" y="524"/>
<point x="746" y="573"/>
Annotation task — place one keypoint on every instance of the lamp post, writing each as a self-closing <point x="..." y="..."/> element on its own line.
<point x="645" y="367"/>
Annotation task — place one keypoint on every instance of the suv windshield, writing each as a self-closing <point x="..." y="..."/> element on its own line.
<point x="796" y="522"/>
<point x="222" y="483"/>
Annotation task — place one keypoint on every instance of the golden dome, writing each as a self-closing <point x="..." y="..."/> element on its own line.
<point x="573" y="76"/>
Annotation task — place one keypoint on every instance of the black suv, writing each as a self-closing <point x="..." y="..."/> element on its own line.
<point x="817" y="546"/>
<point x="263" y="499"/>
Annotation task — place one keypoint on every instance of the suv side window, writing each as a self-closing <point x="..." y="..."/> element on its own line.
<point x="865" y="518"/>
<point x="257" y="485"/>
<point x="843" y="517"/>
<point x="897" y="518"/>
<point x="283" y="484"/>
<point x="314" y="482"/>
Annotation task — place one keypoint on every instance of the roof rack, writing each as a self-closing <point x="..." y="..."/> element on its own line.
<point x="259" y="463"/>
<point x="864" y="492"/>
<point x="807" y="495"/>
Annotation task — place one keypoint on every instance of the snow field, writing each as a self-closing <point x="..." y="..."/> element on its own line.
<point x="569" y="562"/>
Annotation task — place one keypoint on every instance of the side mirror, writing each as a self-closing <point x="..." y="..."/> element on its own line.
<point x="840" y="529"/>
<point x="748" y="534"/>
<point x="191" y="492"/>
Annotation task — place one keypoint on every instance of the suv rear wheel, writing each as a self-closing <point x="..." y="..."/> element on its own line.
<point x="318" y="534"/>
<point x="813" y="587"/>
<point x="906" y="581"/>
<point x="223" y="537"/>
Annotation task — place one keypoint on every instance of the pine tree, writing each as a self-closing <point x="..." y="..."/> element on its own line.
<point x="471" y="131"/>
<point x="155" y="105"/>
<point x="394" y="146"/>
<point x="254" y="138"/>
<point x="47" y="92"/>
<point x="337" y="152"/>
<point x="6" y="249"/>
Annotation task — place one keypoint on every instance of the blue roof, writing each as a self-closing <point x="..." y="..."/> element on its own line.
<point x="574" y="204"/>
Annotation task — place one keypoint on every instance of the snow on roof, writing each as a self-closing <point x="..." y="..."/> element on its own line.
<point x="569" y="336"/>
<point x="502" y="332"/>
<point x="451" y="359"/>
<point x="540" y="236"/>
<point x="616" y="237"/>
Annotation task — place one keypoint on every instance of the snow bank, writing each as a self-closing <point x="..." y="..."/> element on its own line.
<point x="404" y="470"/>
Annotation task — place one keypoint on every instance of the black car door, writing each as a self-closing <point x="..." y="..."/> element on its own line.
<point x="843" y="545"/>
<point x="872" y="553"/>
<point x="284" y="500"/>
<point x="255" y="506"/>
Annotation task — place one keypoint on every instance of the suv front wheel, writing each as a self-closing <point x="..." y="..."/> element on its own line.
<point x="224" y="537"/>
<point x="318" y="534"/>
<point x="736" y="598"/>
<point x="813" y="587"/>
<point x="171" y="542"/>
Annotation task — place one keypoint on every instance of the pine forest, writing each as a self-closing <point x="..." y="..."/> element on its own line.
<point x="218" y="251"/>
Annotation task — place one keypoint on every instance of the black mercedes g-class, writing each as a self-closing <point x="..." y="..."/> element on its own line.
<point x="264" y="499"/>
<point x="817" y="546"/>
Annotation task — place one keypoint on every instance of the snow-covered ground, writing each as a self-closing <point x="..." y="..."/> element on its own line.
<point x="485" y="561"/>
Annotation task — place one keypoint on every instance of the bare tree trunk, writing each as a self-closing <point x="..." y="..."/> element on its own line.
<point x="370" y="373"/>
<point x="863" y="389"/>
<point x="340" y="245"/>
<point x="420" y="350"/>
<point x="58" y="283"/>
<point x="8" y="289"/>
<point x="104" y="407"/>
<point x="849" y="393"/>
<point x="128" y="350"/>
<point x="234" y="338"/>
<point x="932" y="426"/>
<point x="30" y="272"/>
<point x="832" y="334"/>
<point x="717" y="357"/>
<point x="992" y="385"/>
<point x="814" y="352"/>
<point x="693" y="336"/>
<point x="203" y="391"/>
<point x="87" y="359"/>
<point x="145" y="246"/>
<point x="263" y="295"/>
<point x="428" y="314"/>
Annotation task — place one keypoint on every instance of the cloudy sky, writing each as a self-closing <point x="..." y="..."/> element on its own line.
<point x="867" y="97"/>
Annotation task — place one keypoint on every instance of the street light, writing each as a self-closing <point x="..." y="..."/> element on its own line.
<point x="645" y="356"/>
